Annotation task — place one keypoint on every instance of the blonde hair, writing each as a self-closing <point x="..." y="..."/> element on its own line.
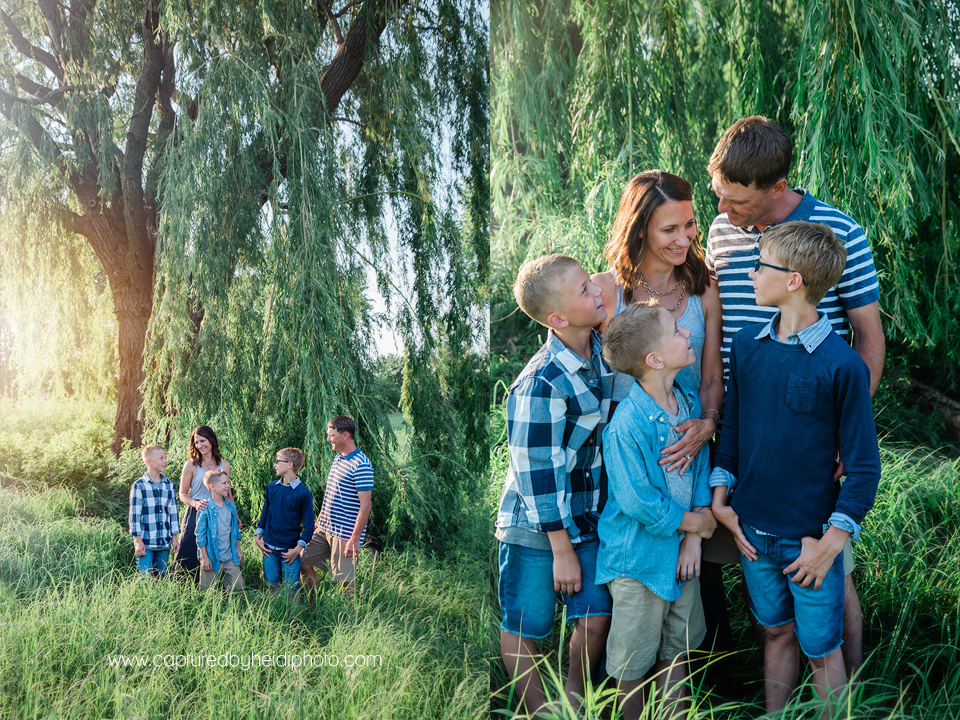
<point x="537" y="289"/>
<point x="150" y="451"/>
<point x="293" y="455"/>
<point x="811" y="249"/>
<point x="632" y="335"/>
<point x="210" y="476"/>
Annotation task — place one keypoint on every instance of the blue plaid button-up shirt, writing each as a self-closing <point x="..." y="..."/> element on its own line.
<point x="153" y="512"/>
<point x="555" y="414"/>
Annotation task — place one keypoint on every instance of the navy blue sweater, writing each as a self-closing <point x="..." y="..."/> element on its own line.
<point x="287" y="515"/>
<point x="784" y="412"/>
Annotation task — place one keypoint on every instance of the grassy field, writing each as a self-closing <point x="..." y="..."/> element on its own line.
<point x="908" y="577"/>
<point x="85" y="636"/>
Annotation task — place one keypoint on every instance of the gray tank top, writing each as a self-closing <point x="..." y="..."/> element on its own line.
<point x="693" y="320"/>
<point x="199" y="491"/>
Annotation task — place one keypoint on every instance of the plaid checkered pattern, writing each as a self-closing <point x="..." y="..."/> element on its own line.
<point x="555" y="414"/>
<point x="153" y="512"/>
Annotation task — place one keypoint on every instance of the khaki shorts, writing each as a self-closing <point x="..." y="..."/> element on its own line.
<point x="326" y="551"/>
<point x="646" y="628"/>
<point x="721" y="548"/>
<point x="229" y="577"/>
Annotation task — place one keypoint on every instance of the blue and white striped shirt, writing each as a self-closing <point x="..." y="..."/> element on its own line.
<point x="153" y="512"/>
<point x="731" y="252"/>
<point x="350" y="474"/>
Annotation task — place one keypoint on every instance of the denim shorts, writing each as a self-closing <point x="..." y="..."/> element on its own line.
<point x="528" y="600"/>
<point x="274" y="565"/>
<point x="776" y="601"/>
<point x="154" y="562"/>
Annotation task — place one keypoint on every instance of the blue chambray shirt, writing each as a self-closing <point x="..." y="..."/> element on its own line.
<point x="207" y="533"/>
<point x="639" y="535"/>
<point x="555" y="413"/>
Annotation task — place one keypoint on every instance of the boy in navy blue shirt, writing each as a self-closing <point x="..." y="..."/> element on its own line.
<point x="796" y="390"/>
<point x="286" y="522"/>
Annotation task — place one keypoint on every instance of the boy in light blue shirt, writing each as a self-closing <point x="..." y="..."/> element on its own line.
<point x="653" y="522"/>
<point x="218" y="536"/>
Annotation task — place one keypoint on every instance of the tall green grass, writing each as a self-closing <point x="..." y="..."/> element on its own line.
<point x="70" y="599"/>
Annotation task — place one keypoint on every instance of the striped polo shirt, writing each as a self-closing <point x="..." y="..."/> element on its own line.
<point x="349" y="475"/>
<point x="731" y="252"/>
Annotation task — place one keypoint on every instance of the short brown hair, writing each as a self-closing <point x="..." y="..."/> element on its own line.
<point x="537" y="287"/>
<point x="293" y="455"/>
<point x="211" y="476"/>
<point x="632" y="335"/>
<point x="344" y="424"/>
<point x="753" y="151"/>
<point x="812" y="250"/>
<point x="150" y="451"/>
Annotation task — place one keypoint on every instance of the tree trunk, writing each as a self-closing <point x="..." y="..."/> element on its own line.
<point x="133" y="303"/>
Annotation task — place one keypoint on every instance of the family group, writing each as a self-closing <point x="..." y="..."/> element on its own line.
<point x="293" y="544"/>
<point x="691" y="409"/>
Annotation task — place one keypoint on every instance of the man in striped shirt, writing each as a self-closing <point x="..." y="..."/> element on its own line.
<point x="342" y="525"/>
<point x="749" y="168"/>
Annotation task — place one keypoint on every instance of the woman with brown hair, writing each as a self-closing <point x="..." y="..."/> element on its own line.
<point x="655" y="253"/>
<point x="202" y="456"/>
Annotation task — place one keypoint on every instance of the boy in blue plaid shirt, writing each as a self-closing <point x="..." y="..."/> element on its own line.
<point x="547" y="522"/>
<point x="154" y="524"/>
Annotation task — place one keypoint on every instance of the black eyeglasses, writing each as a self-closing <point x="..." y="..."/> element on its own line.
<point x="757" y="265"/>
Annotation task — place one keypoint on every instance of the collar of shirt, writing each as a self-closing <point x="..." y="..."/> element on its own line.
<point x="567" y="358"/>
<point x="293" y="483"/>
<point x="146" y="478"/>
<point x="646" y="405"/>
<point x="809" y="337"/>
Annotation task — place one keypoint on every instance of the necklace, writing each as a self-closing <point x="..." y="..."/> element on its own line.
<point x="654" y="292"/>
<point x="660" y="294"/>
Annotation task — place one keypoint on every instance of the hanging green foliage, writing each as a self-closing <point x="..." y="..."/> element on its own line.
<point x="277" y="160"/>
<point x="586" y="95"/>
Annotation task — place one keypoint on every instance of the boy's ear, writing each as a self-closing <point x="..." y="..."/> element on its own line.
<point x="653" y="361"/>
<point x="556" y="321"/>
<point x="795" y="283"/>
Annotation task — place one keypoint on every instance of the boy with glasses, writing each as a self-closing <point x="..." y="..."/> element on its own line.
<point x="795" y="389"/>
<point x="286" y="522"/>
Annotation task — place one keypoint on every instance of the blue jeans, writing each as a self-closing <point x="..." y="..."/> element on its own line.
<point x="154" y="562"/>
<point x="274" y="565"/>
<point x="775" y="600"/>
<point x="528" y="600"/>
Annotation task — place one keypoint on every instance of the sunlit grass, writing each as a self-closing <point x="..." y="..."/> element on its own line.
<point x="70" y="598"/>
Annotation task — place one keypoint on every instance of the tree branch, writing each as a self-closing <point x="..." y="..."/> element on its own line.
<point x="78" y="28"/>
<point x="326" y="6"/>
<point x="50" y="10"/>
<point x="347" y="63"/>
<point x="53" y="97"/>
<point x="151" y="71"/>
<point x="25" y="48"/>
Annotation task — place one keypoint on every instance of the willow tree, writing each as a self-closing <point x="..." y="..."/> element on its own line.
<point x="586" y="94"/>
<point x="240" y="170"/>
<point x="213" y="142"/>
